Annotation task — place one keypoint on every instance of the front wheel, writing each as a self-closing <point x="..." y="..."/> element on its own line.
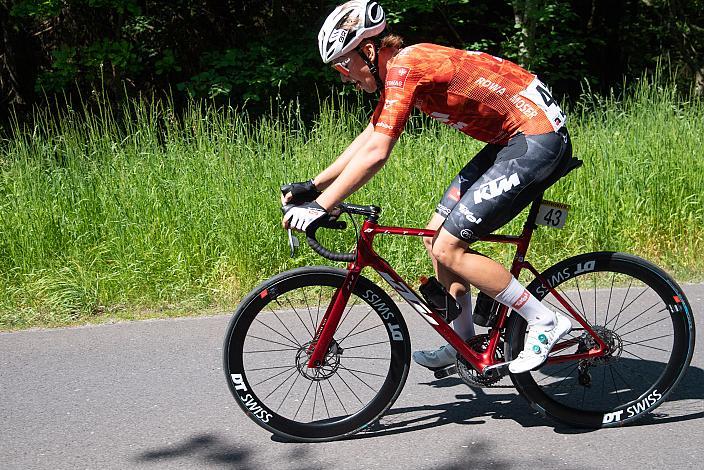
<point x="266" y="356"/>
<point x="643" y="317"/>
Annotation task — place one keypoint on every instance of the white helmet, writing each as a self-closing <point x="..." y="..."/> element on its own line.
<point x="348" y="25"/>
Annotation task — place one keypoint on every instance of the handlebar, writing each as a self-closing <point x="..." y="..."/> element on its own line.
<point x="331" y="222"/>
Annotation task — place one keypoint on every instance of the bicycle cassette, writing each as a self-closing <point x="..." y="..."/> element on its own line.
<point x="470" y="376"/>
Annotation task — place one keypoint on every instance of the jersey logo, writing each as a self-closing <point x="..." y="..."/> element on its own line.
<point x="496" y="187"/>
<point x="396" y="77"/>
<point x="389" y="103"/>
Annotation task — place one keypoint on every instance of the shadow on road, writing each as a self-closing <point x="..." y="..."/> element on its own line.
<point x="476" y="406"/>
<point x="211" y="450"/>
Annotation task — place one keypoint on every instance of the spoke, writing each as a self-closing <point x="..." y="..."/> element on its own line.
<point x="652" y="378"/>
<point x="618" y="395"/>
<point x="558" y="307"/>
<point x="269" y="340"/>
<point x="350" y="389"/>
<point x="645" y="346"/>
<point x="360" y="332"/>
<point x="623" y="303"/>
<point x="274" y="376"/>
<point x="304" y="398"/>
<point x="289" y="391"/>
<point x="349" y="309"/>
<point x="553" y="374"/>
<point x="635" y="355"/>
<point x="571" y="304"/>
<point x="269" y="350"/>
<point x="630" y="387"/>
<point x="297" y="316"/>
<point x="317" y="312"/>
<point x="581" y="301"/>
<point x="338" y="396"/>
<point x="283" y="324"/>
<point x="278" y="386"/>
<point x="567" y="376"/>
<point x="358" y="378"/>
<point x="271" y="368"/>
<point x="355" y="326"/>
<point x="315" y="399"/>
<point x="651" y="339"/>
<point x="322" y="395"/>
<point x="645" y="326"/>
<point x="608" y="305"/>
<point x="368" y="344"/>
<point x="310" y="315"/>
<point x="364" y="357"/>
<point x="640" y="315"/>
<point x="362" y="372"/>
<point x="294" y="342"/>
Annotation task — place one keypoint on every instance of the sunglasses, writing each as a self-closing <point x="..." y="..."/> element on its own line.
<point x="343" y="67"/>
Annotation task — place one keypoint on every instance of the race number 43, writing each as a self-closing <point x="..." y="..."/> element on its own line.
<point x="552" y="214"/>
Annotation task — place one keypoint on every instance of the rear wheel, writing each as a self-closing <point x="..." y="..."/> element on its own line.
<point x="266" y="356"/>
<point x="643" y="317"/>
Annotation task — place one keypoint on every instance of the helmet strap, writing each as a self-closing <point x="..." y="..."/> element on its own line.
<point x="373" y="67"/>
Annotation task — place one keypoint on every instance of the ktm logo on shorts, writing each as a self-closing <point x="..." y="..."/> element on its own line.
<point x="495" y="187"/>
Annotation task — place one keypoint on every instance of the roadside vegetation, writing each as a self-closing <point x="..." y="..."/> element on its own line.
<point x="154" y="214"/>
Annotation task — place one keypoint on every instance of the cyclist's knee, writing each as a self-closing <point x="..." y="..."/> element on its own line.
<point x="435" y="223"/>
<point x="447" y="249"/>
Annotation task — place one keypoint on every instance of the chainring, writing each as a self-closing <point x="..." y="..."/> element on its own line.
<point x="470" y="376"/>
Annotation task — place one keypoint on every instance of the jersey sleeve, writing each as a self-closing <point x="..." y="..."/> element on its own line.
<point x="396" y="102"/>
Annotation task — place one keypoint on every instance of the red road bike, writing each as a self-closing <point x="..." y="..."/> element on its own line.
<point x="319" y="353"/>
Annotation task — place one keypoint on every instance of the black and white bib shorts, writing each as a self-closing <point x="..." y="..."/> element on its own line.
<point x="501" y="180"/>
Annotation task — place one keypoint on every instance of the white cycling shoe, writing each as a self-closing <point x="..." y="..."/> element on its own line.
<point x="435" y="359"/>
<point x="539" y="342"/>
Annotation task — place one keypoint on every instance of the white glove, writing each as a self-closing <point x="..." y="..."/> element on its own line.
<point x="301" y="216"/>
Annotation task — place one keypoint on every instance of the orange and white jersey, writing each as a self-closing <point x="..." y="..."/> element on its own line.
<point x="488" y="98"/>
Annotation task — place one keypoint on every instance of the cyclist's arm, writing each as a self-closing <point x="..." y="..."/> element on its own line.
<point x="324" y="179"/>
<point x="366" y="161"/>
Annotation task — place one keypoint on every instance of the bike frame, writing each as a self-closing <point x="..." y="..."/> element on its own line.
<point x="367" y="257"/>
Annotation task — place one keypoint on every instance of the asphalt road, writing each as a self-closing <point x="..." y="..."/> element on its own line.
<point x="152" y="394"/>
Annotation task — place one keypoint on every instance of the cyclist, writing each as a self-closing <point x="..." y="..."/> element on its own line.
<point x="488" y="98"/>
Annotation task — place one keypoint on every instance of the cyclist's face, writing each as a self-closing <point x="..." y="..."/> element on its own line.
<point x="352" y="69"/>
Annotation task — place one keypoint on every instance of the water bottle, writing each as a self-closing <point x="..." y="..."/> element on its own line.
<point x="439" y="299"/>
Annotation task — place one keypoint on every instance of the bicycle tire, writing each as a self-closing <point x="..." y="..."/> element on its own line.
<point x="563" y="391"/>
<point x="267" y="316"/>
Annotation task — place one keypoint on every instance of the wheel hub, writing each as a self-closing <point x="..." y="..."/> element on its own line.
<point x="327" y="369"/>
<point x="614" y="346"/>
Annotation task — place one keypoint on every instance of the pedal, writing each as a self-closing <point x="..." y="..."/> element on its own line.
<point x="446" y="371"/>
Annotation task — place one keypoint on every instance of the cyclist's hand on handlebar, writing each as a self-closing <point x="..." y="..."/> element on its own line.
<point x="297" y="193"/>
<point x="301" y="216"/>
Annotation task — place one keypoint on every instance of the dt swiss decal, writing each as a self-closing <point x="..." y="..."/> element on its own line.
<point x="396" y="77"/>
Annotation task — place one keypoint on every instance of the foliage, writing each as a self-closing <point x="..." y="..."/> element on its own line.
<point x="249" y="51"/>
<point x="101" y="214"/>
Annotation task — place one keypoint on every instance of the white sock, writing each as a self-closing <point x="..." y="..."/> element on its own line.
<point x="464" y="325"/>
<point x="517" y="297"/>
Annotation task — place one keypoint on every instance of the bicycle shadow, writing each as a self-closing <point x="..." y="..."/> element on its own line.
<point x="477" y="406"/>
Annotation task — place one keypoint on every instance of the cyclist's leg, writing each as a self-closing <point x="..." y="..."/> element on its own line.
<point x="467" y="176"/>
<point x="456" y="286"/>
<point x="522" y="170"/>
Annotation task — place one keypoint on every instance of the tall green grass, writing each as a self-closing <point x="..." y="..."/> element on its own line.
<point x="100" y="215"/>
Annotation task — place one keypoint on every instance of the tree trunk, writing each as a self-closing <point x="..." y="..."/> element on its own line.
<point x="524" y="22"/>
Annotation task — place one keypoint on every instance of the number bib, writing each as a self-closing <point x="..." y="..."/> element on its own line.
<point x="539" y="94"/>
<point x="552" y="214"/>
